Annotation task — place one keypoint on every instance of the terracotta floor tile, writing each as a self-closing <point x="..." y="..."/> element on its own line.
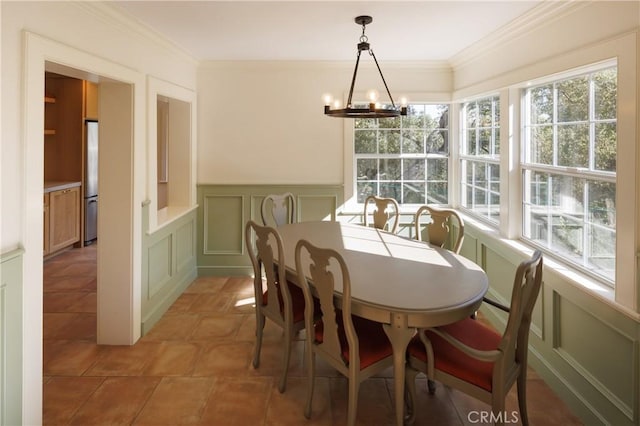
<point x="178" y="326"/>
<point x="66" y="283"/>
<point x="78" y="268"/>
<point x="287" y="409"/>
<point x="63" y="396"/>
<point x="183" y="303"/>
<point x="55" y="323"/>
<point x="118" y="401"/>
<point x="194" y="366"/>
<point x="217" y="327"/>
<point x="239" y="286"/>
<point x="212" y="303"/>
<point x="69" y="358"/>
<point x="125" y="360"/>
<point x="238" y="401"/>
<point x="82" y="326"/>
<point x="224" y="359"/>
<point x="206" y="285"/>
<point x="173" y="359"/>
<point x="60" y="301"/>
<point x="86" y="304"/>
<point x="374" y="402"/>
<point x="176" y="401"/>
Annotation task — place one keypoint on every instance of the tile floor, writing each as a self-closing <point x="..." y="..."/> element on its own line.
<point x="194" y="367"/>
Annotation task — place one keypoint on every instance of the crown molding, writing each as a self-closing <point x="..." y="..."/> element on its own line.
<point x="537" y="17"/>
<point x="114" y="17"/>
<point x="325" y="64"/>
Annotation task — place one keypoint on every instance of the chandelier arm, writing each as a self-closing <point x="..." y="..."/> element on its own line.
<point x="381" y="76"/>
<point x="353" y="80"/>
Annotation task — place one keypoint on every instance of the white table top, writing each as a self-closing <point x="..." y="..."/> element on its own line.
<point x="395" y="275"/>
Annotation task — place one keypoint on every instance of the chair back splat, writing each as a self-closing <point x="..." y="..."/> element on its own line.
<point x="278" y="209"/>
<point x="281" y="302"/>
<point x="384" y="211"/>
<point x="477" y="360"/>
<point x="356" y="347"/>
<point x="441" y="229"/>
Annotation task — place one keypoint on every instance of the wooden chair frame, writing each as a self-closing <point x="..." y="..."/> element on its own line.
<point x="330" y="349"/>
<point x="268" y="260"/>
<point x="283" y="209"/>
<point x="441" y="226"/>
<point x="509" y="358"/>
<point x="381" y="215"/>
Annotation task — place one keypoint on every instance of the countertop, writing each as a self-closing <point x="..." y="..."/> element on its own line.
<point x="57" y="186"/>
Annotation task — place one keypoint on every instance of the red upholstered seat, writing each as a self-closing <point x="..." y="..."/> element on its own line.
<point x="338" y="336"/>
<point x="373" y="342"/>
<point x="481" y="362"/>
<point x="453" y="361"/>
<point x="267" y="258"/>
<point x="297" y="301"/>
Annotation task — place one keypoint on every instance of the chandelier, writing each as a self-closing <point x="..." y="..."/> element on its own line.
<point x="374" y="110"/>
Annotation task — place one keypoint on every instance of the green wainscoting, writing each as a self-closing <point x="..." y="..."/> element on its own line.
<point x="225" y="209"/>
<point x="11" y="337"/>
<point x="583" y="348"/>
<point x="168" y="265"/>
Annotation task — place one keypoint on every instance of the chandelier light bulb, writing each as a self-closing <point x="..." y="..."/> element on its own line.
<point x="327" y="98"/>
<point x="374" y="109"/>
<point x="337" y="103"/>
<point x="404" y="101"/>
<point x="372" y="95"/>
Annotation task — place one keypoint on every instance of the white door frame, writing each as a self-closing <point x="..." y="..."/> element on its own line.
<point x="117" y="304"/>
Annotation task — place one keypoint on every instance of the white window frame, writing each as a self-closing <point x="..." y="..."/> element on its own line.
<point x="351" y="205"/>
<point x="559" y="170"/>
<point x="491" y="159"/>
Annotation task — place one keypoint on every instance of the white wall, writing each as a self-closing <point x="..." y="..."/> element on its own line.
<point x="92" y="38"/>
<point x="263" y="122"/>
<point x="89" y="27"/>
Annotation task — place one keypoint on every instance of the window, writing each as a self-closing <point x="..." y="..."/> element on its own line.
<point x="480" y="158"/>
<point x="569" y="169"/>
<point x="405" y="158"/>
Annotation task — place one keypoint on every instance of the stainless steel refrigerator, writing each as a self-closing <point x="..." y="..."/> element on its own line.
<point x="91" y="182"/>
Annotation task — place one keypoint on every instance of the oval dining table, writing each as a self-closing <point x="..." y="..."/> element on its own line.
<point x="401" y="283"/>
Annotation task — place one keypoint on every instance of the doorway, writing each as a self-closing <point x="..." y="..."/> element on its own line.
<point x="119" y="254"/>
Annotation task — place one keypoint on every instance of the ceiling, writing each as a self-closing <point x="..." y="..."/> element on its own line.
<point x="324" y="30"/>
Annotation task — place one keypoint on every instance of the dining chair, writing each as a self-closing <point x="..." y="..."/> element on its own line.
<point x="358" y="348"/>
<point x="476" y="359"/>
<point x="278" y="209"/>
<point x="384" y="211"/>
<point x="281" y="302"/>
<point x="441" y="229"/>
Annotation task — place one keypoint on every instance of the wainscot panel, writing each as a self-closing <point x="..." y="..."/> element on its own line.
<point x="225" y="209"/>
<point x="168" y="264"/>
<point x="589" y="357"/>
<point x="10" y="337"/>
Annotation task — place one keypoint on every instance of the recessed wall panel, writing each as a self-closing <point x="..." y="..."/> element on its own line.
<point x="223" y="223"/>
<point x="500" y="273"/>
<point x="184" y="245"/>
<point x="160" y="270"/>
<point x="601" y="353"/>
<point x="317" y="207"/>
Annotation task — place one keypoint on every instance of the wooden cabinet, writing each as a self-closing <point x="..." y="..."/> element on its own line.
<point x="64" y="218"/>
<point x="49" y="115"/>
<point x="63" y="121"/>
<point x="90" y="100"/>
<point x="46" y="224"/>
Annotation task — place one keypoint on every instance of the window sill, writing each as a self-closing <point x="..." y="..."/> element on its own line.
<point x="568" y="274"/>
<point x="170" y="214"/>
